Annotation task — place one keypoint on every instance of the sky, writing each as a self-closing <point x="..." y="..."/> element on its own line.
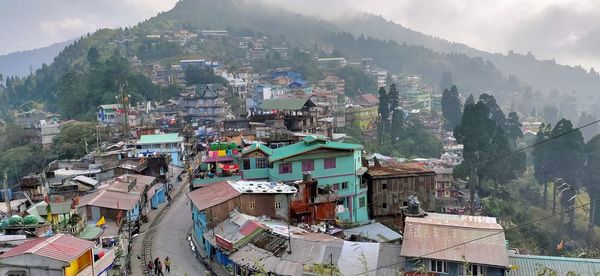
<point x="567" y="30"/>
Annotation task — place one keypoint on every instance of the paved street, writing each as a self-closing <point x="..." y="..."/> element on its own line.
<point x="171" y="240"/>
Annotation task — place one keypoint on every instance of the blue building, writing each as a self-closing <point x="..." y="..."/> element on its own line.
<point x="170" y="143"/>
<point x="443" y="244"/>
<point x="158" y="196"/>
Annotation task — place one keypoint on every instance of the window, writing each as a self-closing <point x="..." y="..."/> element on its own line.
<point x="246" y="163"/>
<point x="252" y="204"/>
<point x="344" y="185"/>
<point x="335" y="186"/>
<point x="308" y="165"/>
<point x="277" y="205"/>
<point x="261" y="163"/>
<point x="285" y="168"/>
<point x="362" y="202"/>
<point x="341" y="201"/>
<point x="329" y="163"/>
<point x="438" y="266"/>
<point x="384" y="205"/>
<point x="384" y="185"/>
<point x="474" y="270"/>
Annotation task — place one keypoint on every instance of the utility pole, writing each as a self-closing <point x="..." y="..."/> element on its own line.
<point x="473" y="185"/>
<point x="6" y="198"/>
<point x="554" y="198"/>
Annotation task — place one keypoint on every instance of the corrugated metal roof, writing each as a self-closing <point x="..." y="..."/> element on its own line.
<point x="212" y="194"/>
<point x="353" y="252"/>
<point x="310" y="143"/>
<point x="529" y="265"/>
<point x="110" y="199"/>
<point x="59" y="247"/>
<point x="90" y="232"/>
<point x="285" y="104"/>
<point x="390" y="262"/>
<point x="478" y="240"/>
<point x="257" y="146"/>
<point x="86" y="180"/>
<point x="374" y="231"/>
<point x="159" y="139"/>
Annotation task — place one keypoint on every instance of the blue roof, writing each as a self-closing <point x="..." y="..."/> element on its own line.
<point x="526" y="265"/>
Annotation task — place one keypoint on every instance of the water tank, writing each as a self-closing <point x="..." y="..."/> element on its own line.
<point x="30" y="220"/>
<point x="413" y="205"/>
<point x="15" y="220"/>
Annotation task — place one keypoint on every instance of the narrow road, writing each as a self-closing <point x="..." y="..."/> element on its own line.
<point x="171" y="240"/>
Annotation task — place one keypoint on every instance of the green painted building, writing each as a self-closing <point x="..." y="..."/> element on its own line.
<point x="335" y="165"/>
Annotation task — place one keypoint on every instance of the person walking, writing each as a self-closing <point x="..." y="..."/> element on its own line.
<point x="150" y="268"/>
<point x="168" y="264"/>
<point x="156" y="261"/>
<point x="160" y="268"/>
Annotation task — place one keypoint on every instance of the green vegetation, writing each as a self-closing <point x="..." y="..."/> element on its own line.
<point x="451" y="107"/>
<point x="19" y="156"/>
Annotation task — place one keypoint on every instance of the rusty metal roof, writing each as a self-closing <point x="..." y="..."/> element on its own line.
<point x="212" y="194"/>
<point x="475" y="239"/>
<point x="110" y="199"/>
<point x="59" y="247"/>
<point x="398" y="170"/>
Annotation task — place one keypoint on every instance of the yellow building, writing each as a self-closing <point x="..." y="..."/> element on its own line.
<point x="364" y="118"/>
<point x="56" y="255"/>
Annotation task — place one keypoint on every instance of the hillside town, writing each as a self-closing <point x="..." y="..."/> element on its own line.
<point x="264" y="158"/>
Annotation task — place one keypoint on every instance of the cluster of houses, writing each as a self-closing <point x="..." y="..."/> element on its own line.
<point x="78" y="216"/>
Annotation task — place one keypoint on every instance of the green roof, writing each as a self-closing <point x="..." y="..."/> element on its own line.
<point x="310" y="143"/>
<point x="111" y="106"/>
<point x="258" y="146"/>
<point x="90" y="232"/>
<point x="160" y="138"/>
<point x="528" y="265"/>
<point x="285" y="104"/>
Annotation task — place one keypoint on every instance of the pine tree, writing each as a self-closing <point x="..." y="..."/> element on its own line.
<point x="451" y="107"/>
<point x="384" y="108"/>
<point x="393" y="98"/>
<point x="540" y="156"/>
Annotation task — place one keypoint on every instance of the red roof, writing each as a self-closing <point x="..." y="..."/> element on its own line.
<point x="367" y="100"/>
<point x="59" y="247"/>
<point x="212" y="194"/>
<point x="249" y="227"/>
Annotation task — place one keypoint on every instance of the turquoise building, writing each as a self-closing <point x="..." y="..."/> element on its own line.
<point x="170" y="143"/>
<point x="336" y="166"/>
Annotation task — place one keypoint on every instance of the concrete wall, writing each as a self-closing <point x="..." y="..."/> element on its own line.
<point x="35" y="265"/>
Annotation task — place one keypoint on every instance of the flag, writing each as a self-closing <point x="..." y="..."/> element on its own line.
<point x="560" y="246"/>
<point x="101" y="221"/>
<point x="49" y="213"/>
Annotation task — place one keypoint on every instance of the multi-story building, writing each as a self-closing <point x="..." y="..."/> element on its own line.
<point x="364" y="118"/>
<point x="204" y="106"/>
<point x="170" y="143"/>
<point x="391" y="185"/>
<point x="444" y="180"/>
<point x="107" y="113"/>
<point x="336" y="166"/>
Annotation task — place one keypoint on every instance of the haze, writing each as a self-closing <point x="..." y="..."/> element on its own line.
<point x="568" y="31"/>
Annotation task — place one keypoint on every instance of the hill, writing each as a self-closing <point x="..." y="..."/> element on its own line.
<point x="545" y="75"/>
<point x="24" y="62"/>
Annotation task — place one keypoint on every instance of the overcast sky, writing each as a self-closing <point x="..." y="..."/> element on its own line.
<point x="568" y="30"/>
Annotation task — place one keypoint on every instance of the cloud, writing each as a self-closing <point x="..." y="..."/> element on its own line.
<point x="66" y="24"/>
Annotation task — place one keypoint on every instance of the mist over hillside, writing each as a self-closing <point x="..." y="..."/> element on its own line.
<point x="22" y="63"/>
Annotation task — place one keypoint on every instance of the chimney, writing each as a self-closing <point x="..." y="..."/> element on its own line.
<point x="306" y="177"/>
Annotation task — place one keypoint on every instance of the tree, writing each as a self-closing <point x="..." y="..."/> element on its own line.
<point x="393" y="98"/>
<point x="397" y="123"/>
<point x="470" y="100"/>
<point x="495" y="111"/>
<point x="591" y="130"/>
<point x="74" y="140"/>
<point x="199" y="75"/>
<point x="566" y="158"/>
<point x="384" y="108"/>
<point x="451" y="107"/>
<point x="513" y="129"/>
<point x="592" y="177"/>
<point x="540" y="155"/>
<point x="93" y="56"/>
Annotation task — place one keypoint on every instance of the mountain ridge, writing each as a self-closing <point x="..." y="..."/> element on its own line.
<point x="22" y="63"/>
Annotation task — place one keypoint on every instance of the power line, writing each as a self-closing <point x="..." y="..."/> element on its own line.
<point x="486" y="236"/>
<point x="534" y="144"/>
<point x="517" y="226"/>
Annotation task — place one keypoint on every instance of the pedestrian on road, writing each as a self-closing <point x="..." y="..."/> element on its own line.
<point x="168" y="264"/>
<point x="150" y="267"/>
<point x="160" y="269"/>
<point x="156" y="262"/>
